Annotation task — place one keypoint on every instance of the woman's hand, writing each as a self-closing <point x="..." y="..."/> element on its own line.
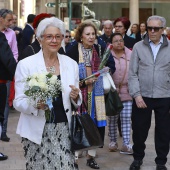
<point x="74" y="94"/>
<point x="87" y="82"/>
<point x="41" y="105"/>
<point x="91" y="81"/>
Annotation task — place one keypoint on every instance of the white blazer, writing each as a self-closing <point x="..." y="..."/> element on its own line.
<point x="31" y="122"/>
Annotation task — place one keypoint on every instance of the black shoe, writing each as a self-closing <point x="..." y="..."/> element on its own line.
<point x="4" y="137"/>
<point x="136" y="165"/>
<point x="92" y="163"/>
<point x="3" y="157"/>
<point x="161" y="167"/>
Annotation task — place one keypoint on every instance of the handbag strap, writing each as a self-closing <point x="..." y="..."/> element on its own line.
<point x="120" y="84"/>
<point x="32" y="48"/>
<point x="81" y="107"/>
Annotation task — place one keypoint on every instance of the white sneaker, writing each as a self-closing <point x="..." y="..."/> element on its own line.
<point x="126" y="149"/>
<point x="113" y="146"/>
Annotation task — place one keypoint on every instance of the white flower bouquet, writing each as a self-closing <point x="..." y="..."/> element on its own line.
<point x="42" y="87"/>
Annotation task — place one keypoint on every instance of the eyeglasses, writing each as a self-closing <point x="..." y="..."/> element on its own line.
<point x="67" y="36"/>
<point x="155" y="29"/>
<point x="118" y="26"/>
<point x="117" y="41"/>
<point x="50" y="37"/>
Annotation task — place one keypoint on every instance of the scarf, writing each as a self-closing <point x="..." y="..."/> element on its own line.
<point x="93" y="97"/>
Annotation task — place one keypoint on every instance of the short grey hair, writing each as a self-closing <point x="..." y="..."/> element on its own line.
<point x="5" y="12"/>
<point x="156" y="17"/>
<point x="45" y="23"/>
<point x="108" y="22"/>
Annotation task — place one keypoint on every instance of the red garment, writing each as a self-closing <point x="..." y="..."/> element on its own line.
<point x="168" y="36"/>
<point x="11" y="93"/>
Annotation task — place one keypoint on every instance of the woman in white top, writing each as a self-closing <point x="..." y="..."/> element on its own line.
<point x="47" y="143"/>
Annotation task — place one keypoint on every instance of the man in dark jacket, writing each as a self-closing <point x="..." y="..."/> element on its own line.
<point x="7" y="70"/>
<point x="108" y="31"/>
<point x="28" y="31"/>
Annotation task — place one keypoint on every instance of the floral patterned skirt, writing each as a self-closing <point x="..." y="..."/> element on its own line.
<point x="53" y="153"/>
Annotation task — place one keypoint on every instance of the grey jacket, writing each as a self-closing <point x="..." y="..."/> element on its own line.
<point x="146" y="77"/>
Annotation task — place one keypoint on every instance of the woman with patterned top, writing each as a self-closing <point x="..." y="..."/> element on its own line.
<point x="47" y="143"/>
<point x="87" y="54"/>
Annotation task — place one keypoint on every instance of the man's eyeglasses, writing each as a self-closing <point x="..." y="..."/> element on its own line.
<point x="155" y="29"/>
<point x="118" y="26"/>
<point x="67" y="36"/>
<point x="50" y="37"/>
<point x="117" y="41"/>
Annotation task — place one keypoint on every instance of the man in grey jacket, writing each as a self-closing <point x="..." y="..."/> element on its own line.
<point x="149" y="85"/>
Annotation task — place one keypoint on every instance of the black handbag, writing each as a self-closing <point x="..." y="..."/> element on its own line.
<point x="113" y="103"/>
<point x="84" y="133"/>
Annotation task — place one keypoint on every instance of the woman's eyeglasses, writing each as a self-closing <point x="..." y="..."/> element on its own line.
<point x="50" y="37"/>
<point x="155" y="29"/>
<point x="67" y="36"/>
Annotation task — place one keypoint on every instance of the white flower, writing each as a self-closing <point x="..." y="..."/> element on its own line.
<point x="43" y="86"/>
<point x="48" y="86"/>
<point x="42" y="77"/>
<point x="33" y="82"/>
<point x="35" y="76"/>
<point x="53" y="79"/>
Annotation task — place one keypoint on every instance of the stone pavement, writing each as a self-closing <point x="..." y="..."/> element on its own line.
<point x="107" y="160"/>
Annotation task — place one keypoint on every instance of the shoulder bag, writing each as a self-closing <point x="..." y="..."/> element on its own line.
<point x="84" y="133"/>
<point x="113" y="103"/>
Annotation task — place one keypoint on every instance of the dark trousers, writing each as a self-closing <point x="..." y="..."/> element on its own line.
<point x="3" y="95"/>
<point x="141" y="122"/>
<point x="102" y="132"/>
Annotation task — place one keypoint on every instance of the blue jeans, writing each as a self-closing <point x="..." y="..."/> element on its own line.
<point x="6" y="112"/>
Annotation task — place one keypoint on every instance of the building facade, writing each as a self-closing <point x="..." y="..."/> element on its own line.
<point x="22" y="8"/>
<point x="136" y="10"/>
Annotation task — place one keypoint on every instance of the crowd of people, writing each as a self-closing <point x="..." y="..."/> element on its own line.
<point x="139" y="67"/>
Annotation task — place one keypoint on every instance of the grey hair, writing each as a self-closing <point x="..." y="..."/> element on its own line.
<point x="45" y="23"/>
<point x="5" y="12"/>
<point x="107" y="22"/>
<point x="156" y="17"/>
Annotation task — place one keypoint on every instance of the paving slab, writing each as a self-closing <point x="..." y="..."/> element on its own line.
<point x="107" y="160"/>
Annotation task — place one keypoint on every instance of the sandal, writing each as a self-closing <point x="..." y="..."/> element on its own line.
<point x="3" y="157"/>
<point x="92" y="163"/>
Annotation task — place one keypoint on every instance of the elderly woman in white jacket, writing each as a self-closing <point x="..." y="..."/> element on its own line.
<point x="47" y="143"/>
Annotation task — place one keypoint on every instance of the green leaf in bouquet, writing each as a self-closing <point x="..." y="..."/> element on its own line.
<point x="35" y="89"/>
<point x="27" y="93"/>
<point x="49" y="75"/>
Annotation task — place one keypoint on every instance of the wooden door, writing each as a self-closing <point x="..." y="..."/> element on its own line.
<point x="144" y="13"/>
